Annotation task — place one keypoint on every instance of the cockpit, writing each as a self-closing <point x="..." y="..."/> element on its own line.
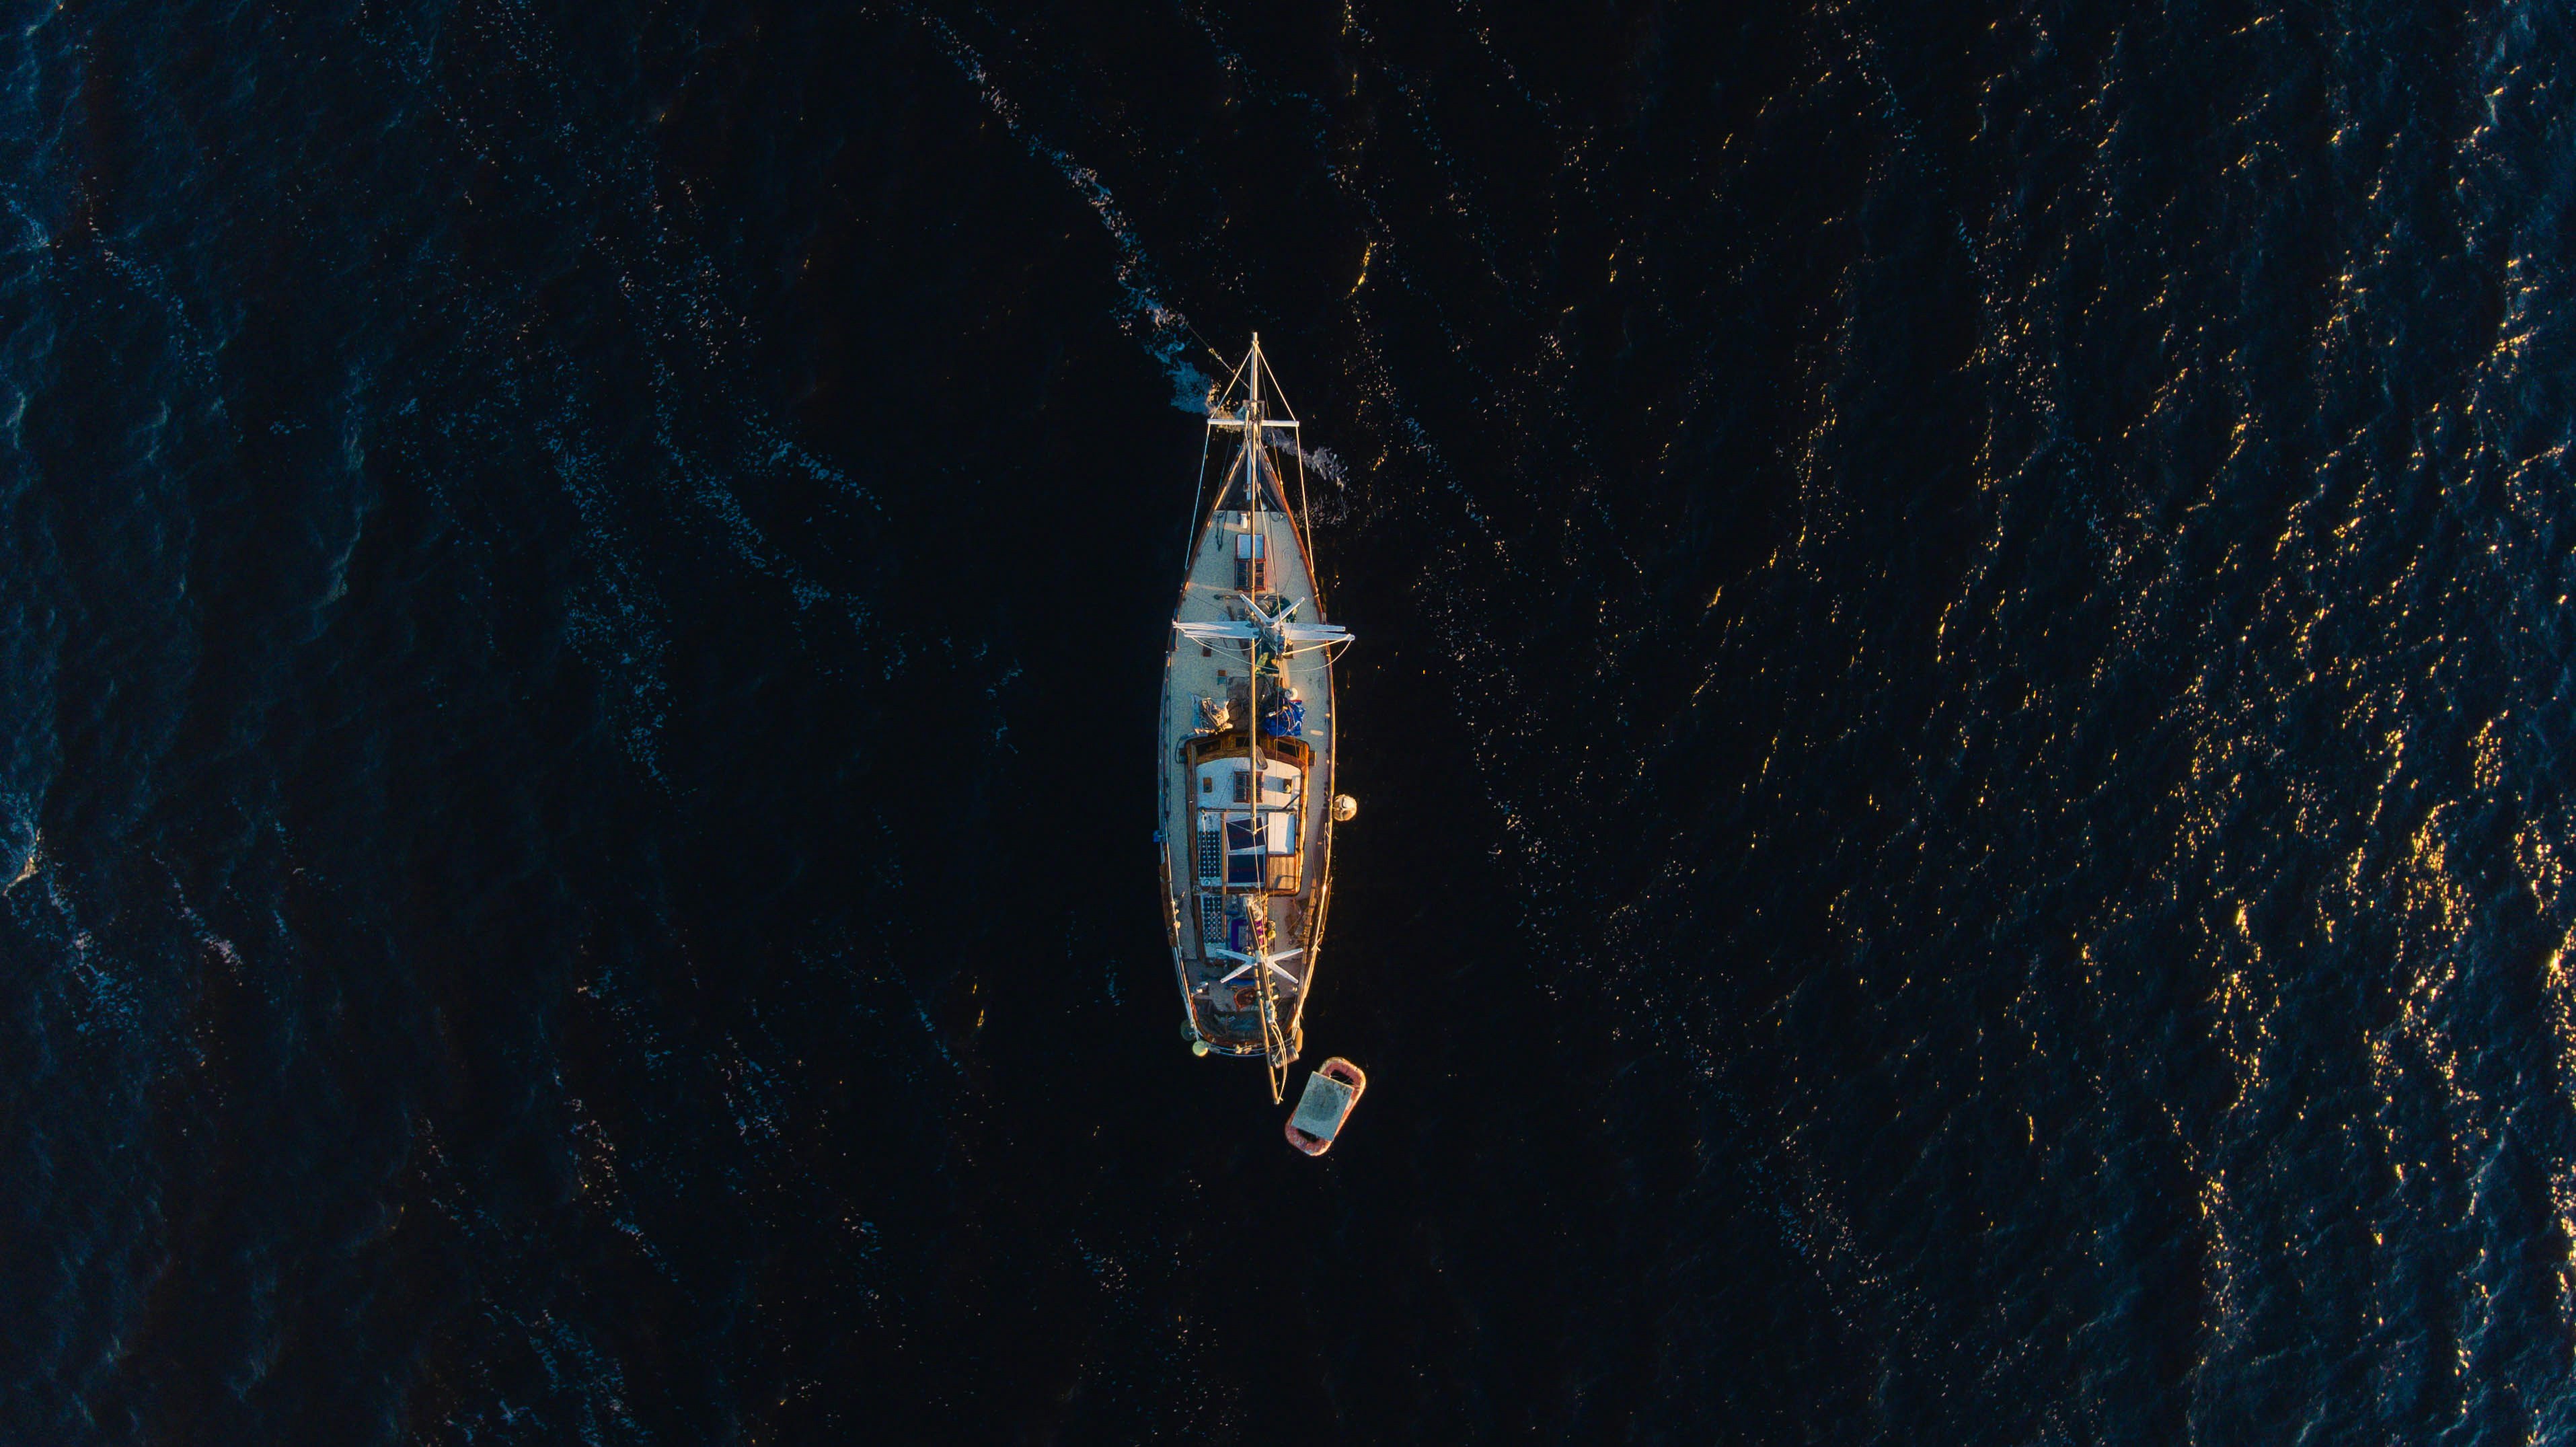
<point x="1244" y="846"/>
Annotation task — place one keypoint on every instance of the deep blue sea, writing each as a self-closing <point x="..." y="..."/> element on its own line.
<point x="1964" y="715"/>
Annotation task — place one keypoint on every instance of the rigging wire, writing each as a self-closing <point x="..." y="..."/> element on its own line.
<point x="1197" y="490"/>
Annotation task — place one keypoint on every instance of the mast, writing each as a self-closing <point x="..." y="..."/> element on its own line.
<point x="1257" y="902"/>
<point x="1252" y="650"/>
<point x="1251" y="525"/>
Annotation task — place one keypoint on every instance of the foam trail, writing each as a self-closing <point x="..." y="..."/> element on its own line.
<point x="1163" y="330"/>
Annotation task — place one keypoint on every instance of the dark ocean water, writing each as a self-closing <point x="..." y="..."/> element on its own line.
<point x="1963" y="706"/>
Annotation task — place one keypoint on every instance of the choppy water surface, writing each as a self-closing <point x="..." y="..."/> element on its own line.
<point x="1962" y="702"/>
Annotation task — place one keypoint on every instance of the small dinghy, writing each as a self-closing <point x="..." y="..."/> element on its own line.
<point x="1330" y="1093"/>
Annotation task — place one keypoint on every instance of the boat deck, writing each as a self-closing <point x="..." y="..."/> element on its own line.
<point x="1227" y="1014"/>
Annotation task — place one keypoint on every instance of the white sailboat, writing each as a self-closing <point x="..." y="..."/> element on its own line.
<point x="1246" y="742"/>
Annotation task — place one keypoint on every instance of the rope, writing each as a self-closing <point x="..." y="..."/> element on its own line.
<point x="1274" y="1041"/>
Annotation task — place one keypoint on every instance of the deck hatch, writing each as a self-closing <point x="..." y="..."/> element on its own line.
<point x="1244" y="849"/>
<point x="1251" y="563"/>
